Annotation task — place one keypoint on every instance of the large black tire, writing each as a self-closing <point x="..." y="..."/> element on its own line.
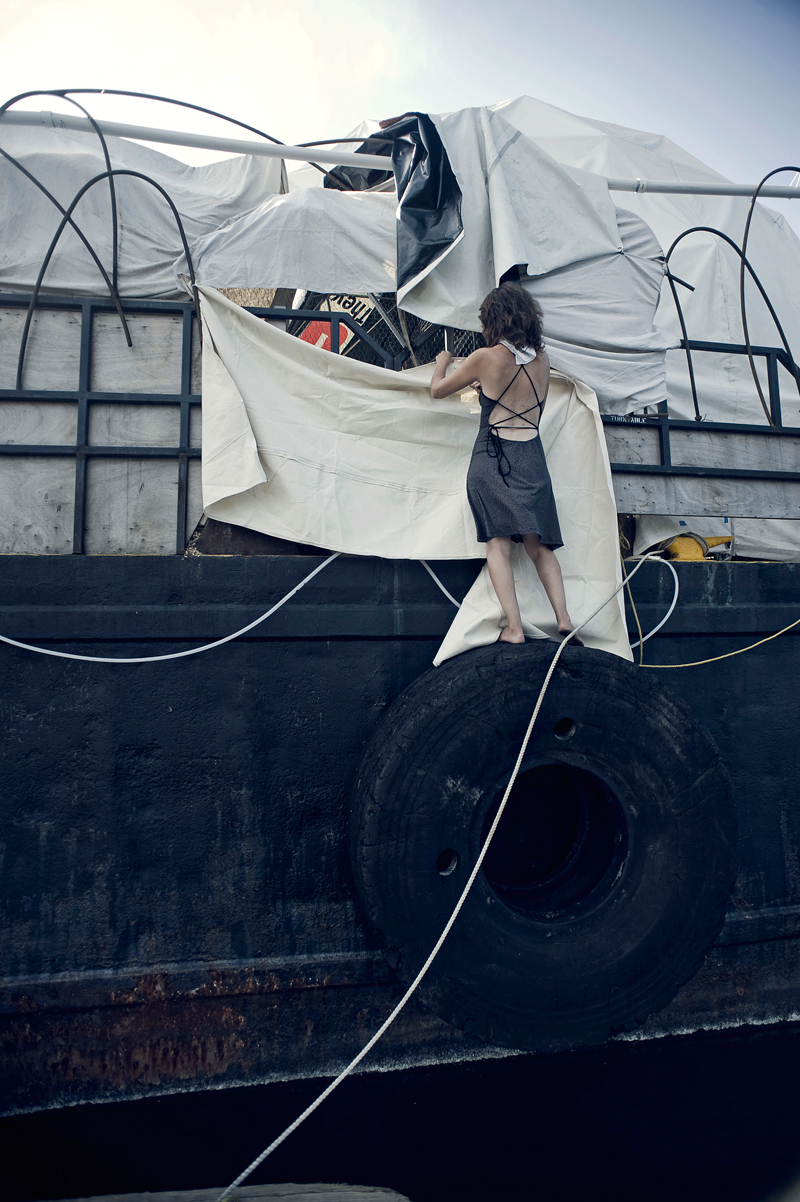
<point x="607" y="879"/>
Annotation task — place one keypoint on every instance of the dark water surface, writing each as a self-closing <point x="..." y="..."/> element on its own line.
<point x="704" y="1117"/>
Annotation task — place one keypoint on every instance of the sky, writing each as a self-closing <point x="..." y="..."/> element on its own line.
<point x="719" y="78"/>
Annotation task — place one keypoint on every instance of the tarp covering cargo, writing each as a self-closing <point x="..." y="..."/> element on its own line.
<point x="703" y="260"/>
<point x="532" y="193"/>
<point x="595" y="270"/>
<point x="149" y="240"/>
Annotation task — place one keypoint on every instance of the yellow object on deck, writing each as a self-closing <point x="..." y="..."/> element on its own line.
<point x="692" y="546"/>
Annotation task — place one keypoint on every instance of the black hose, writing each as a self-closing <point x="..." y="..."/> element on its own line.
<point x="672" y="280"/>
<point x="106" y="156"/>
<point x="750" y="212"/>
<point x="745" y="264"/>
<point x="112" y="290"/>
<point x="198" y="108"/>
<point x="64" y="222"/>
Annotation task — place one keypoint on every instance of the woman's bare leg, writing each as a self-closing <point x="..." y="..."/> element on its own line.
<point x="549" y="569"/>
<point x="498" y="560"/>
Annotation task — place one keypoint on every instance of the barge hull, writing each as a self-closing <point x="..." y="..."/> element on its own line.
<point x="179" y="908"/>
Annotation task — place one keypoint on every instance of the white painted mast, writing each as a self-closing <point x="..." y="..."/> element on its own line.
<point x="343" y="158"/>
<point x="144" y="133"/>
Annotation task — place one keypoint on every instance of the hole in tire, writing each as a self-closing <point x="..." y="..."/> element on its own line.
<point x="559" y="845"/>
<point x="447" y="862"/>
<point x="565" y="728"/>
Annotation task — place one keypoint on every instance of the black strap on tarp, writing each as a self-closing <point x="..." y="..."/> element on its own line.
<point x="429" y="211"/>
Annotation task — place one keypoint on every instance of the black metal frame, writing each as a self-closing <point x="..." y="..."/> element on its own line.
<point x="83" y="396"/>
<point x="662" y="422"/>
<point x="82" y="450"/>
<point x="335" y="319"/>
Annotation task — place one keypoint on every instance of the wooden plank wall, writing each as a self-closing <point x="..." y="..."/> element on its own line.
<point x="131" y="503"/>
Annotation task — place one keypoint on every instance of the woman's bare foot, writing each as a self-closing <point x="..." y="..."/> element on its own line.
<point x="576" y="641"/>
<point x="511" y="636"/>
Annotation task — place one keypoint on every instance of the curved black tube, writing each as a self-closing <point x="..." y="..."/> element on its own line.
<point x="106" y="156"/>
<point x="689" y="363"/>
<point x="65" y="221"/>
<point x="750" y="212"/>
<point x="112" y="290"/>
<point x="198" y="108"/>
<point x="707" y="229"/>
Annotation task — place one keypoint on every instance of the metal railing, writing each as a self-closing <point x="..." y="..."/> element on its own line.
<point x="185" y="400"/>
<point x="664" y="424"/>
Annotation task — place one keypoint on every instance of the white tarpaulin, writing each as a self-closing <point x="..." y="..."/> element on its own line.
<point x="317" y="448"/>
<point x="149" y="242"/>
<point x="712" y="311"/>
<point x="320" y="240"/>
<point x="724" y="383"/>
<point x="595" y="270"/>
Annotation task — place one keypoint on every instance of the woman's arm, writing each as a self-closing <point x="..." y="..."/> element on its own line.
<point x="465" y="375"/>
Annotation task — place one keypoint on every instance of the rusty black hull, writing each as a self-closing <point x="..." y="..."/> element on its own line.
<point x="179" y="909"/>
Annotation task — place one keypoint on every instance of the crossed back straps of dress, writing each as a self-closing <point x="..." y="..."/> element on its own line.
<point x="513" y="412"/>
<point x="495" y="441"/>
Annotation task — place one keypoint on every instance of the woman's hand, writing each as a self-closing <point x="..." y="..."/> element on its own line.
<point x="466" y="374"/>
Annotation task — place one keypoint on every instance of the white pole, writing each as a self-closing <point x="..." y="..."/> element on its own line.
<point x="673" y="187"/>
<point x="318" y="154"/>
<point x="143" y="133"/>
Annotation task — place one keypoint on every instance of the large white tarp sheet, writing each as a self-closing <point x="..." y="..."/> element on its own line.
<point x="149" y="242"/>
<point x="317" y="448"/>
<point x="703" y="260"/>
<point x="320" y="240"/>
<point x="712" y="312"/>
<point x="595" y="270"/>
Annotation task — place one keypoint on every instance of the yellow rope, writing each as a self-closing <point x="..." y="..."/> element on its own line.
<point x="728" y="654"/>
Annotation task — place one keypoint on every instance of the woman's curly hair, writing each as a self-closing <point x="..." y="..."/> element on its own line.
<point x="509" y="312"/>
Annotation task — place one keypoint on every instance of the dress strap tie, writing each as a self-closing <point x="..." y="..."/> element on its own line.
<point x="494" y="445"/>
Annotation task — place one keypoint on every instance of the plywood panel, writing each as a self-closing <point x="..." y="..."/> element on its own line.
<point x="36" y="505"/>
<point x="152" y="364"/>
<point x="195" y="426"/>
<point x="676" y="496"/>
<point x="194" y="500"/>
<point x="196" y="385"/>
<point x="132" y="506"/>
<point x="52" y="356"/>
<point x="53" y="422"/>
<point x="709" y="448"/>
<point x="632" y="444"/>
<point x="120" y="425"/>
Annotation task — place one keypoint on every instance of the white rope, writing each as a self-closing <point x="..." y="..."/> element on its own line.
<point x="431" y="572"/>
<point x="412" y="987"/>
<point x="655" y="629"/>
<point x="151" y="659"/>
<point x="668" y="614"/>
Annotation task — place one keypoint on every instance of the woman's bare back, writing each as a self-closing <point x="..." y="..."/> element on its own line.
<point x="498" y="371"/>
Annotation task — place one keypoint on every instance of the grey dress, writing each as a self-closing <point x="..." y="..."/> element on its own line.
<point x="508" y="484"/>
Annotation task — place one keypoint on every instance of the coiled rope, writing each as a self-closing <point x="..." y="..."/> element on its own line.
<point x="437" y="946"/>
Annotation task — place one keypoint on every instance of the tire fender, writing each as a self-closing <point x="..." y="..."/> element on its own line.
<point x="607" y="879"/>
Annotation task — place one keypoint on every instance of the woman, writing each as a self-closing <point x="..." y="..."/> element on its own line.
<point x="508" y="484"/>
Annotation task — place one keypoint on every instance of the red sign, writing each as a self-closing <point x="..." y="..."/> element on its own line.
<point x="318" y="333"/>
